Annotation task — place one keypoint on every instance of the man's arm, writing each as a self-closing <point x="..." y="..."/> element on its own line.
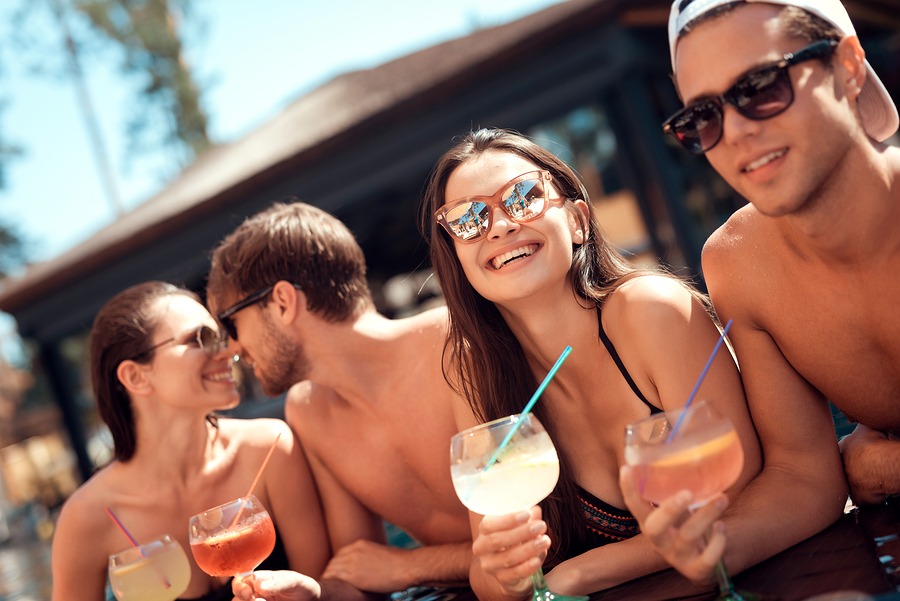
<point x="872" y="463"/>
<point x="384" y="569"/>
<point x="801" y="489"/>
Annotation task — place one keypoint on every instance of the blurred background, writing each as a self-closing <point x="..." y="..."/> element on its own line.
<point x="135" y="134"/>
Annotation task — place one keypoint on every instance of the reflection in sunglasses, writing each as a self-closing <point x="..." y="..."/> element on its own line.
<point x="523" y="199"/>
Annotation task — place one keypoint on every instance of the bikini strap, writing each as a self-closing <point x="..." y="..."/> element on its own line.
<point x="615" y="357"/>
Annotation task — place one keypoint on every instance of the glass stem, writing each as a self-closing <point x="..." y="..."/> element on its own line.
<point x="726" y="587"/>
<point x="540" y="585"/>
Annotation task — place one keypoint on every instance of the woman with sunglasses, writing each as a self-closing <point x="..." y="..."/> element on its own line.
<point x="160" y="370"/>
<point x="526" y="271"/>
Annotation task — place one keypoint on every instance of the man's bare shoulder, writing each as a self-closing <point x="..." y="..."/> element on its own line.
<point x="738" y="251"/>
<point x="731" y="239"/>
<point x="432" y="322"/>
<point x="300" y="397"/>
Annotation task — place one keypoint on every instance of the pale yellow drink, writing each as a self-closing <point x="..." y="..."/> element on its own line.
<point x="524" y="475"/>
<point x="156" y="571"/>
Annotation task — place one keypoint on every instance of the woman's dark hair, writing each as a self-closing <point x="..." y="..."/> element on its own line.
<point x="483" y="360"/>
<point x="121" y="331"/>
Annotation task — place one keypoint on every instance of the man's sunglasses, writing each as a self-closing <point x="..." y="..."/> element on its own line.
<point x="208" y="339"/>
<point x="225" y="317"/>
<point x="759" y="95"/>
<point x="523" y="199"/>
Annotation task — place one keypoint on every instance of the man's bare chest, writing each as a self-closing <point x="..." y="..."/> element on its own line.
<point x="848" y="348"/>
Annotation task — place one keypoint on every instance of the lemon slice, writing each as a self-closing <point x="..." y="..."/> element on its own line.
<point x="700" y="452"/>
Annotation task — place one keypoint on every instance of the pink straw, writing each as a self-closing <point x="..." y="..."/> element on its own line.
<point x="265" y="462"/>
<point x="122" y="527"/>
<point x="133" y="542"/>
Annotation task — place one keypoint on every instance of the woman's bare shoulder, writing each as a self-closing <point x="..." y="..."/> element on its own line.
<point x="650" y="296"/>
<point x="255" y="431"/>
<point x="85" y="509"/>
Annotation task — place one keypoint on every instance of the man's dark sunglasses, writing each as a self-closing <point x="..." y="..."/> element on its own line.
<point x="225" y="317"/>
<point x="759" y="95"/>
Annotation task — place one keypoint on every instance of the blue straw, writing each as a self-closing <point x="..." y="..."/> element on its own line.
<point x="699" y="380"/>
<point x="529" y="405"/>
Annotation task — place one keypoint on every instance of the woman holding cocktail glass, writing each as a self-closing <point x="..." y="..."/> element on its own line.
<point x="160" y="371"/>
<point x="526" y="271"/>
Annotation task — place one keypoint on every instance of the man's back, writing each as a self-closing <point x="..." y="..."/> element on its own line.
<point x="389" y="450"/>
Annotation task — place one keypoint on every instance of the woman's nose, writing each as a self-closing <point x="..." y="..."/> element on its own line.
<point x="501" y="223"/>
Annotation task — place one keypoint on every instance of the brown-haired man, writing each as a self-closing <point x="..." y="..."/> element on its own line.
<point x="365" y="395"/>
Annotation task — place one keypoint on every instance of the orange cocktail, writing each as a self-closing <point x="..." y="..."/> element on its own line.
<point x="232" y="539"/>
<point x="705" y="461"/>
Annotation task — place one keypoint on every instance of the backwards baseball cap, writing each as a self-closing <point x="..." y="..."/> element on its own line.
<point x="877" y="111"/>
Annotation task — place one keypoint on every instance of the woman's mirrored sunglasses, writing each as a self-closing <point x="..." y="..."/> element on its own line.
<point x="761" y="94"/>
<point x="523" y="199"/>
<point x="207" y="338"/>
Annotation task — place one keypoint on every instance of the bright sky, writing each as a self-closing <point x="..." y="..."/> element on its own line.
<point x="256" y="57"/>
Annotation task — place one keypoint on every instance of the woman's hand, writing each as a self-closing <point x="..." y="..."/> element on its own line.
<point x="511" y="548"/>
<point x="692" y="542"/>
<point x="266" y="585"/>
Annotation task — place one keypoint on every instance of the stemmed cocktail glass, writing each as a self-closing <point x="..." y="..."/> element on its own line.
<point x="154" y="571"/>
<point x="703" y="455"/>
<point x="523" y="473"/>
<point x="232" y="539"/>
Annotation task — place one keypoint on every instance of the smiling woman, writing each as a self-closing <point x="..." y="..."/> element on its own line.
<point x="535" y="275"/>
<point x="160" y="371"/>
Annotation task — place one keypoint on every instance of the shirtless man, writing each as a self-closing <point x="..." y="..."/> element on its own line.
<point x="366" y="397"/>
<point x="807" y="270"/>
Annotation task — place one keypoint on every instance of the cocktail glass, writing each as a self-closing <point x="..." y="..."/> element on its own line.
<point x="154" y="571"/>
<point x="704" y="455"/>
<point x="523" y="474"/>
<point x="232" y="539"/>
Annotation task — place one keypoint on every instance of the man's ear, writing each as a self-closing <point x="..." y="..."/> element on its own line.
<point x="287" y="298"/>
<point x="851" y="60"/>
<point x="131" y="375"/>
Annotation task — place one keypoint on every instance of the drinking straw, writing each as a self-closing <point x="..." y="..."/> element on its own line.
<point x="133" y="542"/>
<point x="122" y="527"/>
<point x="699" y="380"/>
<point x="237" y="516"/>
<point x="528" y="406"/>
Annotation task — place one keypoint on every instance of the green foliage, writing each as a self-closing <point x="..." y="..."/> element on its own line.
<point x="13" y="249"/>
<point x="148" y="33"/>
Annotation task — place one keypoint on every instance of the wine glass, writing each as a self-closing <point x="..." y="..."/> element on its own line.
<point x="155" y="571"/>
<point x="232" y="539"/>
<point x="520" y="475"/>
<point x="697" y="449"/>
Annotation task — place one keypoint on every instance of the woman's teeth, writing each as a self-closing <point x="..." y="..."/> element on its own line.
<point x="523" y="251"/>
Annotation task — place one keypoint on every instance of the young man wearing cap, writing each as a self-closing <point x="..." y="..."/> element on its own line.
<point x="779" y="97"/>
